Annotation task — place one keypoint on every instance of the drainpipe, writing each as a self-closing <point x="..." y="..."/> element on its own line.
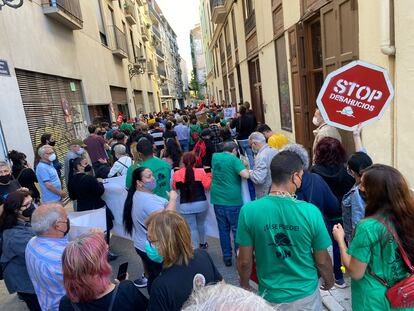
<point x="387" y="47"/>
<point x="387" y="27"/>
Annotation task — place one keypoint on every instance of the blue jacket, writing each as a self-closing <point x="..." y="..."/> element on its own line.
<point x="316" y="191"/>
<point x="353" y="210"/>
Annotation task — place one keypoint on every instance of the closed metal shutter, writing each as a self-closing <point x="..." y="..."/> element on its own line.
<point x="119" y="100"/>
<point x="139" y="101"/>
<point x="42" y="97"/>
<point x="151" y="102"/>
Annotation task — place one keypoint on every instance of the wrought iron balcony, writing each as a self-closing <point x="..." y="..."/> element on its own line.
<point x="67" y="12"/>
<point x="118" y="42"/>
<point x="130" y="12"/>
<point x="218" y="11"/>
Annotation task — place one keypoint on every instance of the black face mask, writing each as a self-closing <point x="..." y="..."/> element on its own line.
<point x="29" y="211"/>
<point x="52" y="143"/>
<point x="67" y="228"/>
<point x="5" y="179"/>
<point x="88" y="168"/>
<point x="363" y="195"/>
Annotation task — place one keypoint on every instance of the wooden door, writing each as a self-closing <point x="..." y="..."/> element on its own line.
<point x="339" y="27"/>
<point x="256" y="89"/>
<point x="299" y="84"/>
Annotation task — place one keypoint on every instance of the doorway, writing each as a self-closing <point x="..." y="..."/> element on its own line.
<point x="256" y="89"/>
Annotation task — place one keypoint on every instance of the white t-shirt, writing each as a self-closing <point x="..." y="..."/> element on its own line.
<point x="144" y="204"/>
<point x="121" y="166"/>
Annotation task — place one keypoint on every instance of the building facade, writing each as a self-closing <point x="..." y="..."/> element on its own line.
<point x="276" y="55"/>
<point x="198" y="61"/>
<point x="71" y="64"/>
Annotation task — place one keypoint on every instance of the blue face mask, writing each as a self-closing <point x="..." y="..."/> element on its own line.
<point x="152" y="253"/>
<point x="150" y="185"/>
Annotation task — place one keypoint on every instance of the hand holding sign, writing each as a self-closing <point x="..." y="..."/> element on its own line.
<point x="356" y="93"/>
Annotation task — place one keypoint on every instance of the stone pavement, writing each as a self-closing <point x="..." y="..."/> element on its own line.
<point x="334" y="300"/>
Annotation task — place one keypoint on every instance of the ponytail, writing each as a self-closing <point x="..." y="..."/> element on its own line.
<point x="128" y="205"/>
<point x="189" y="161"/>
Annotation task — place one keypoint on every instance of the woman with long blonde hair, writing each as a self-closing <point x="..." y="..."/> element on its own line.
<point x="169" y="241"/>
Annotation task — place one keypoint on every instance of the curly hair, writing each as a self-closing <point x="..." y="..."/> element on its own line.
<point x="329" y="151"/>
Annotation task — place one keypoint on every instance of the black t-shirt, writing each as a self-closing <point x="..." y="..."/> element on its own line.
<point x="174" y="285"/>
<point x="128" y="298"/>
<point x="12" y="186"/>
<point x="169" y="134"/>
<point x="27" y="178"/>
<point x="87" y="191"/>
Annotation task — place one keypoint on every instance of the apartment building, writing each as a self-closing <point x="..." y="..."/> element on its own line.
<point x="277" y="53"/>
<point x="197" y="57"/>
<point x="66" y="64"/>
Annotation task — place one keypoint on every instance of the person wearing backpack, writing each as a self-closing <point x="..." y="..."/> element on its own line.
<point x="382" y="250"/>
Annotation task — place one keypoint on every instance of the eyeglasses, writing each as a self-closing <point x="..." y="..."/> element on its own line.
<point x="151" y="242"/>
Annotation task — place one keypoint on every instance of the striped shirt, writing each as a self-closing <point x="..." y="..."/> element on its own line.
<point x="158" y="139"/>
<point x="44" y="265"/>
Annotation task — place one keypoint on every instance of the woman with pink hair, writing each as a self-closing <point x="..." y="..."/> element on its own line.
<point x="86" y="277"/>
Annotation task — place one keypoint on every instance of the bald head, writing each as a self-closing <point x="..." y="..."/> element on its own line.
<point x="44" y="218"/>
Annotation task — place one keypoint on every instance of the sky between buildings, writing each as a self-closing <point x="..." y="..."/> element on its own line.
<point x="182" y="15"/>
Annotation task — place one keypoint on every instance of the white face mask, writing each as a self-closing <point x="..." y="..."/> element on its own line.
<point x="80" y="151"/>
<point x="52" y="157"/>
<point x="316" y="122"/>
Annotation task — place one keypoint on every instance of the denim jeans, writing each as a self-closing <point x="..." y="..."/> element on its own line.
<point x="196" y="222"/>
<point x="335" y="250"/>
<point x="227" y="218"/>
<point x="184" y="145"/>
<point x="247" y="150"/>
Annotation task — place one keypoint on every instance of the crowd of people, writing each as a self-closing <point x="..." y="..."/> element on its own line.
<point x="279" y="208"/>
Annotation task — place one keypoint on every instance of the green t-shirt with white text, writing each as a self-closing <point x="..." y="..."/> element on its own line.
<point x="374" y="245"/>
<point x="162" y="174"/>
<point x="226" y="183"/>
<point x="284" y="232"/>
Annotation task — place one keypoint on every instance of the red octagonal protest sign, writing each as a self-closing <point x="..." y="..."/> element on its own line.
<point x="358" y="92"/>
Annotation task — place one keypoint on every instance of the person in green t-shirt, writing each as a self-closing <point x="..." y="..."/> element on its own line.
<point x="160" y="168"/>
<point x="374" y="249"/>
<point x="289" y="239"/>
<point x="126" y="126"/>
<point x="226" y="195"/>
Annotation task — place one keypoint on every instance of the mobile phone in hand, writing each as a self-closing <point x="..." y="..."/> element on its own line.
<point x="122" y="271"/>
<point x="207" y="169"/>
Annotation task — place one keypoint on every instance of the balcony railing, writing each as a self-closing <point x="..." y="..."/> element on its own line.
<point x="130" y="12"/>
<point x="218" y="11"/>
<point x="67" y="12"/>
<point x="118" y="42"/>
<point x="250" y="23"/>
<point x="156" y="31"/>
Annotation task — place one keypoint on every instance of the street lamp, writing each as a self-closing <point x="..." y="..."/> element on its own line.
<point x="138" y="68"/>
<point x="11" y="3"/>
